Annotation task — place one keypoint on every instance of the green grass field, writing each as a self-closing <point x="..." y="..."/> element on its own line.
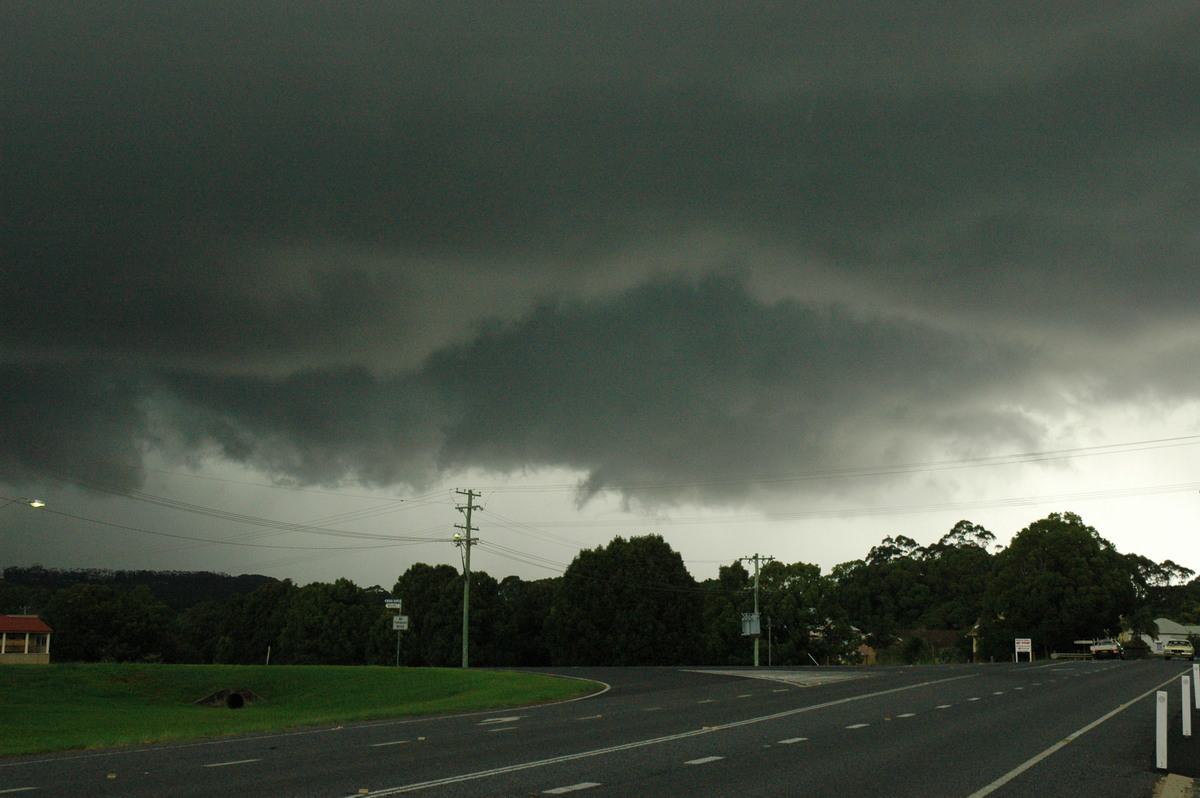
<point x="68" y="707"/>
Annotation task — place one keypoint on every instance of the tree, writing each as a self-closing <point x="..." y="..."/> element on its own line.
<point x="1056" y="582"/>
<point x="521" y="623"/>
<point x="725" y="599"/>
<point x="797" y="600"/>
<point x="329" y="624"/>
<point x="629" y="603"/>
<point x="432" y="596"/>
<point x="95" y="623"/>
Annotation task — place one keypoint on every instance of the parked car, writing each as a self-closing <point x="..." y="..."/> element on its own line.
<point x="1107" y="649"/>
<point x="1179" y="648"/>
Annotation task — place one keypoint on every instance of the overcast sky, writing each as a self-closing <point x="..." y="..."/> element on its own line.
<point x="768" y="277"/>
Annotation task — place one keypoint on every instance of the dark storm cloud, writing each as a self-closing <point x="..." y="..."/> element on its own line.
<point x="254" y="220"/>
<point x="674" y="387"/>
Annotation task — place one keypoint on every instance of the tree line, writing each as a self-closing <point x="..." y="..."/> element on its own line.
<point x="633" y="602"/>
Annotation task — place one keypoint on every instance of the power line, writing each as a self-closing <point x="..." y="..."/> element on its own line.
<point x="875" y="470"/>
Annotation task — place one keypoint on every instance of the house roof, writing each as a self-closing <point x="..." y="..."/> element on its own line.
<point x="22" y="623"/>
<point x="1167" y="627"/>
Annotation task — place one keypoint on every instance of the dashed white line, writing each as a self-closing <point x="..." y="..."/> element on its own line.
<point x="490" y="721"/>
<point x="583" y="785"/>
<point x="943" y="706"/>
<point x="703" y="760"/>
<point x="976" y="698"/>
<point x="17" y="789"/>
<point x="706" y="701"/>
<point x="482" y="774"/>
<point x="858" y="726"/>
<point x="235" y="762"/>
<point x="907" y="715"/>
<point x="791" y="740"/>
<point x="1027" y="764"/>
<point x="393" y="742"/>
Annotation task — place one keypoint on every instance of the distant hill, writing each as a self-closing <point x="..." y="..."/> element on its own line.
<point x="177" y="589"/>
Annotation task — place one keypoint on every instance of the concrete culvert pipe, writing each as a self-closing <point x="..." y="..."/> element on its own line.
<point x="235" y="701"/>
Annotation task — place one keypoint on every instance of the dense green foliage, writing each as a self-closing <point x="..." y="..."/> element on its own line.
<point x="63" y="707"/>
<point x="634" y="602"/>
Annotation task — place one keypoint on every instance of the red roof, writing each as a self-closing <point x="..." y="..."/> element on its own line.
<point x="22" y="623"/>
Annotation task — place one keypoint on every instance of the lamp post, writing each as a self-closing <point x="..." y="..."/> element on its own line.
<point x="22" y="500"/>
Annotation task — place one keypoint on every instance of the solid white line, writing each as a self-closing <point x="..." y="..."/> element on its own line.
<point x="497" y="720"/>
<point x="393" y="742"/>
<point x="502" y="728"/>
<point x="235" y="762"/>
<point x="1027" y="764"/>
<point x="704" y="760"/>
<point x="583" y="785"/>
<point x="483" y="774"/>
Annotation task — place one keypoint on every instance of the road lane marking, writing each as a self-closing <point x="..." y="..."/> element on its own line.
<point x="1027" y="764"/>
<point x="703" y="760"/>
<point x="976" y="698"/>
<point x="907" y="715"/>
<point x="943" y="706"/>
<point x="497" y="720"/>
<point x="17" y="789"/>
<point x="583" y="785"/>
<point x="235" y="762"/>
<point x="858" y="726"/>
<point x="540" y="763"/>
<point x="791" y="740"/>
<point x="503" y="728"/>
<point x="393" y="742"/>
<point x="706" y="701"/>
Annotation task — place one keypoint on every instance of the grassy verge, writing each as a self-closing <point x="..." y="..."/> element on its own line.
<point x="67" y="707"/>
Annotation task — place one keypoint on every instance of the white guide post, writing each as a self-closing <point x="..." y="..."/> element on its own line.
<point x="1186" y="706"/>
<point x="1160" y="731"/>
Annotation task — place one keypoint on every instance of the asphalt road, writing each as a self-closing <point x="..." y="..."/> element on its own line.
<point x="1044" y="729"/>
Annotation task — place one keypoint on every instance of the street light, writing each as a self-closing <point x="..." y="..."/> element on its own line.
<point x="22" y="500"/>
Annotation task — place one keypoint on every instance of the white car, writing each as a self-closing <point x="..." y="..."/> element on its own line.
<point x="1107" y="649"/>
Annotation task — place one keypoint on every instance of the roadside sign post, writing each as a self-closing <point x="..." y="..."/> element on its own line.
<point x="1022" y="645"/>
<point x="399" y="623"/>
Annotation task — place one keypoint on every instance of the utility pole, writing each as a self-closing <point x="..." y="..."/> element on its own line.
<point x="757" y="559"/>
<point x="465" y="541"/>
